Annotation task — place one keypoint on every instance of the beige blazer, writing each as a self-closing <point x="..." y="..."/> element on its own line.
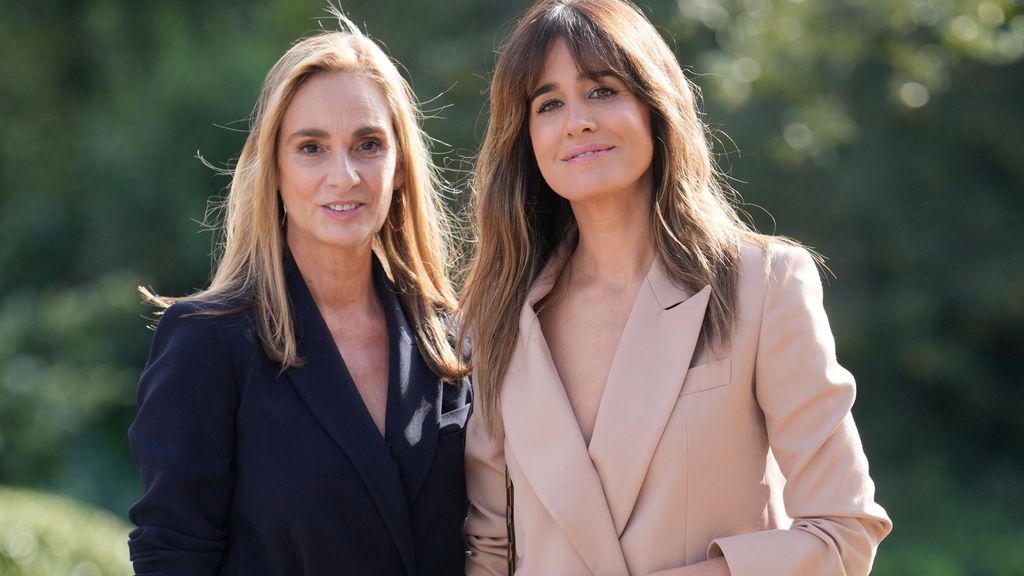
<point x="753" y="455"/>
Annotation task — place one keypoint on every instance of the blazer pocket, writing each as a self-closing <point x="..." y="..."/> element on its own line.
<point x="454" y="421"/>
<point x="707" y="377"/>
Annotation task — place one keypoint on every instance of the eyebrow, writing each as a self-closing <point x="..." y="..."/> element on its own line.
<point x="319" y="133"/>
<point x="370" y="129"/>
<point x="307" y="133"/>
<point x="551" y="86"/>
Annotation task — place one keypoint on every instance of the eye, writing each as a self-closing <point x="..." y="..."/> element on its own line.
<point x="603" y="92"/>
<point x="370" y="145"/>
<point x="309" y="148"/>
<point x="549" y="105"/>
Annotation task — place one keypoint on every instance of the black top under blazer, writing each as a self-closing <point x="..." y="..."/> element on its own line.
<point x="248" y="470"/>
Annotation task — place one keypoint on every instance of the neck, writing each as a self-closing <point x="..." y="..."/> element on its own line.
<point x="337" y="279"/>
<point x="615" y="247"/>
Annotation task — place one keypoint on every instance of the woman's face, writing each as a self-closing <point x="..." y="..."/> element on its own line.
<point x="337" y="160"/>
<point x="591" y="138"/>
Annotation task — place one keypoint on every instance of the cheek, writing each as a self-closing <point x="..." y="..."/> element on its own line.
<point x="649" y="146"/>
<point x="292" y="177"/>
<point x="645" y="134"/>
<point x="543" y="146"/>
<point x="286" y="183"/>
<point x="536" y="134"/>
<point x="380" y="183"/>
<point x="389" y="176"/>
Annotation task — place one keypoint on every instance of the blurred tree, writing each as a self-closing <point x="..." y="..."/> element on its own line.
<point x="105" y="107"/>
<point x="881" y="132"/>
<point x="99" y="192"/>
<point x="43" y="535"/>
<point x="67" y="370"/>
<point x="885" y="133"/>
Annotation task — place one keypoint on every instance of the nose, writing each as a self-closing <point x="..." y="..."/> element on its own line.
<point x="579" y="119"/>
<point x="342" y="172"/>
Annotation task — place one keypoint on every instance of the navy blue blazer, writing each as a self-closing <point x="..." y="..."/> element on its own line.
<point x="248" y="470"/>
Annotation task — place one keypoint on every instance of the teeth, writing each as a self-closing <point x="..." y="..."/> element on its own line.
<point x="342" y="207"/>
<point x="585" y="154"/>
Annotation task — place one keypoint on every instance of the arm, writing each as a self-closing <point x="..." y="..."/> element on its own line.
<point x="183" y="442"/>
<point x="806" y="397"/>
<point x="486" y="532"/>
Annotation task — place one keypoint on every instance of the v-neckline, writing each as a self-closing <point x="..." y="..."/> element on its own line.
<point x="590" y="490"/>
<point x="347" y="379"/>
<point x="545" y="288"/>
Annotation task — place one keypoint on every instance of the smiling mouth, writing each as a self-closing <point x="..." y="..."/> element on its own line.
<point x="587" y="155"/>
<point x="342" y="207"/>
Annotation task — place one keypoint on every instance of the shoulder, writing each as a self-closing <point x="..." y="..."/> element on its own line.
<point x="205" y="313"/>
<point x="775" y="261"/>
<point x="196" y="323"/>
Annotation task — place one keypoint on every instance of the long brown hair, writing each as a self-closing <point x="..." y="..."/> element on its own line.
<point x="520" y="221"/>
<point x="250" y="266"/>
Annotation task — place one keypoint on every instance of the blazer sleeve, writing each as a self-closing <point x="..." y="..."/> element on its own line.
<point x="486" y="530"/>
<point x="806" y="397"/>
<point x="183" y="442"/>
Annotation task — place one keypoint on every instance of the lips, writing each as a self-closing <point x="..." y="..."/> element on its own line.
<point x="343" y="206"/>
<point x="586" y="152"/>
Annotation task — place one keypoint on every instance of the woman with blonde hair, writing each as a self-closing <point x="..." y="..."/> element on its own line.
<point x="657" y="385"/>
<point x="305" y="413"/>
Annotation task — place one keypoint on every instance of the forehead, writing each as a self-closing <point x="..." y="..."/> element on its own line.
<point x="558" y="61"/>
<point x="337" y="98"/>
<point x="568" y="55"/>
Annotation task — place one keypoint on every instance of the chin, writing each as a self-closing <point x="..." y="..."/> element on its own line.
<point x="583" y="191"/>
<point x="347" y="242"/>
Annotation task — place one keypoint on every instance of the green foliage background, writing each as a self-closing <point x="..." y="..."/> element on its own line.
<point x="46" y="535"/>
<point x="887" y="134"/>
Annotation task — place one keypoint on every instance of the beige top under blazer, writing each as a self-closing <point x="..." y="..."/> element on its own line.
<point x="753" y="454"/>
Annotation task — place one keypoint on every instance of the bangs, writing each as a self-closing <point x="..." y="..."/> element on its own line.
<point x="593" y="50"/>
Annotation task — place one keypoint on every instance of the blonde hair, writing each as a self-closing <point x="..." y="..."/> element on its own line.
<point x="250" y="269"/>
<point x="520" y="221"/>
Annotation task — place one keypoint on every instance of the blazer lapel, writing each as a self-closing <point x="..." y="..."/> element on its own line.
<point x="544" y="438"/>
<point x="326" y="387"/>
<point x="644" y="381"/>
<point x="414" y="396"/>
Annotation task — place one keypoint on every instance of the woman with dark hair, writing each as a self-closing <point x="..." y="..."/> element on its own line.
<point x="305" y="413"/>
<point x="657" y="383"/>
